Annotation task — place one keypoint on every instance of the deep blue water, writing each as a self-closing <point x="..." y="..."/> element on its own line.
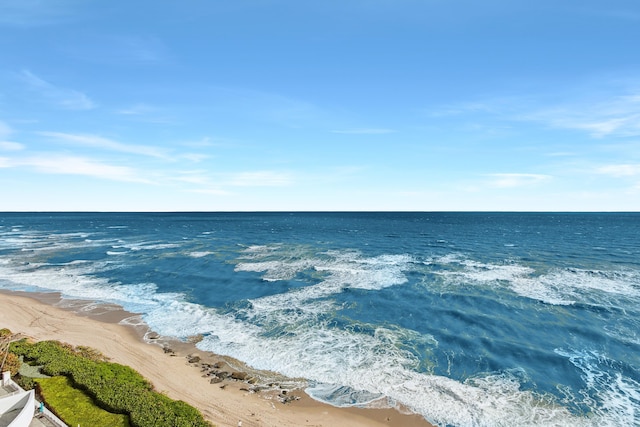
<point x="466" y="318"/>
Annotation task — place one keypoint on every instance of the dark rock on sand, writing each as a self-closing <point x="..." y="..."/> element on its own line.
<point x="241" y="376"/>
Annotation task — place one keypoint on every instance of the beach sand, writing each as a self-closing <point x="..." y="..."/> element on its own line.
<point x="46" y="317"/>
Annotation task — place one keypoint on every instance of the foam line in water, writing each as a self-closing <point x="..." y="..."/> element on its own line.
<point x="615" y="395"/>
<point x="557" y="287"/>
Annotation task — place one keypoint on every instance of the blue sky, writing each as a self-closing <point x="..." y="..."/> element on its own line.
<point x="336" y="105"/>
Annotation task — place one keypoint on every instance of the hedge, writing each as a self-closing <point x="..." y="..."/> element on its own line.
<point x="114" y="387"/>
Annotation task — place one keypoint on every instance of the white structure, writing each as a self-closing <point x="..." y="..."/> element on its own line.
<point x="18" y="407"/>
<point x="16" y="410"/>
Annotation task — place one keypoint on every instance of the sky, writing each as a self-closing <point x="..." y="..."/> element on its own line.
<point x="349" y="105"/>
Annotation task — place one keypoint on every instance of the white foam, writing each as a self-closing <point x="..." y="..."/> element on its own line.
<point x="76" y="280"/>
<point x="200" y="254"/>
<point x="558" y="287"/>
<point x="354" y="368"/>
<point x="346" y="269"/>
<point x="614" y="397"/>
<point x="141" y="246"/>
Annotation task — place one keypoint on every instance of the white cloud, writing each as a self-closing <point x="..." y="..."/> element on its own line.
<point x="5" y="130"/>
<point x="106" y="144"/>
<point x="210" y="191"/>
<point x="602" y="112"/>
<point x="617" y="116"/>
<point x="146" y="113"/>
<point x="260" y="179"/>
<point x="68" y="165"/>
<point x="513" y="180"/>
<point x="192" y="177"/>
<point x="74" y="165"/>
<point x="69" y="99"/>
<point x="194" y="157"/>
<point x="364" y="131"/>
<point x="136" y="110"/>
<point x="620" y="170"/>
<point x="11" y="146"/>
<point x="562" y="154"/>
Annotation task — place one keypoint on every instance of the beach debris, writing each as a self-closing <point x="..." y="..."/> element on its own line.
<point x="239" y="375"/>
<point x="285" y="397"/>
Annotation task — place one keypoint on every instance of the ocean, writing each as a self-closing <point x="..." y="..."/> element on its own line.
<point x="469" y="319"/>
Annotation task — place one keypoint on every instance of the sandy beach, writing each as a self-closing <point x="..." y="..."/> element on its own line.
<point x="225" y="403"/>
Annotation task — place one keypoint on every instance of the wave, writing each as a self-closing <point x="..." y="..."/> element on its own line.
<point x="558" y="286"/>
<point x="357" y="363"/>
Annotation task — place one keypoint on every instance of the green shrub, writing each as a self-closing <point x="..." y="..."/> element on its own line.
<point x="74" y="407"/>
<point x="27" y="383"/>
<point x="115" y="388"/>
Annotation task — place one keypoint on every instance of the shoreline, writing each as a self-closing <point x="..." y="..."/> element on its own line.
<point x="125" y="339"/>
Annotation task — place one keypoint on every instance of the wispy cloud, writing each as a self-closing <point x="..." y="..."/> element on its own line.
<point x="514" y="180"/>
<point x="210" y="191"/>
<point x="205" y="182"/>
<point x="598" y="124"/>
<point x="364" y="131"/>
<point x="136" y="110"/>
<point x="11" y="146"/>
<point x="194" y="157"/>
<point x="605" y="110"/>
<point x="146" y="113"/>
<point x="620" y="170"/>
<point x="561" y="154"/>
<point x="99" y="142"/>
<point x="5" y="132"/>
<point x="68" y="99"/>
<point x="260" y="179"/>
<point x="616" y="114"/>
<point x="74" y="165"/>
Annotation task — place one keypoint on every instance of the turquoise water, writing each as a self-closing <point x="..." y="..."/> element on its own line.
<point x="470" y="319"/>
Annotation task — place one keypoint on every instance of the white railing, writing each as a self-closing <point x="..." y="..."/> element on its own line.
<point x="50" y="416"/>
<point x="7" y="382"/>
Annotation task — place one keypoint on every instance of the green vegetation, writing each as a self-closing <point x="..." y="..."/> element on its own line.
<point x="74" y="407"/>
<point x="115" y="388"/>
